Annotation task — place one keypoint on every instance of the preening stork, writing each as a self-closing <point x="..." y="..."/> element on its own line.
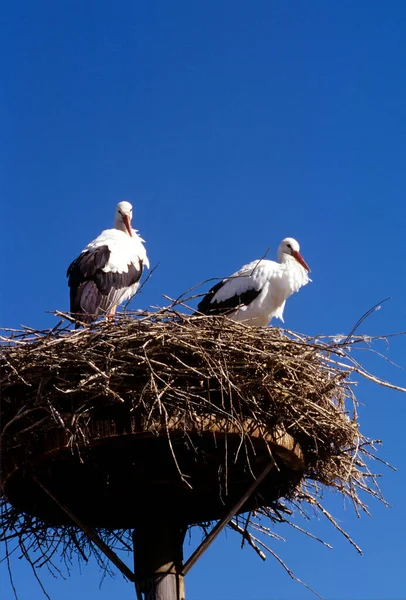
<point x="259" y="290"/>
<point x="108" y="270"/>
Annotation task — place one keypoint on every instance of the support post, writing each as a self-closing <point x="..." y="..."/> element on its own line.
<point x="158" y="559"/>
<point x="225" y="521"/>
<point x="89" y="532"/>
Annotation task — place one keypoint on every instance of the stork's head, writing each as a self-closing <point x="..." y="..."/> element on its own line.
<point x="288" y="249"/>
<point x="124" y="213"/>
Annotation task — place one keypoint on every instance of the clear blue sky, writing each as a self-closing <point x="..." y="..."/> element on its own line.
<point x="229" y="125"/>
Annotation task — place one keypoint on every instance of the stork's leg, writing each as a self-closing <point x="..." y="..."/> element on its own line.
<point x="111" y="313"/>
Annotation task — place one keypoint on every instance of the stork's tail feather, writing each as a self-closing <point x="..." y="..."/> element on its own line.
<point x="85" y="301"/>
<point x="83" y="319"/>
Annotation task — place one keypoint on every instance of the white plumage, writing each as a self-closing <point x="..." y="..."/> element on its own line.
<point x="107" y="272"/>
<point x="259" y="290"/>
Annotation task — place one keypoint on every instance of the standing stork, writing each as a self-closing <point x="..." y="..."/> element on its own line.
<point x="108" y="270"/>
<point x="259" y="290"/>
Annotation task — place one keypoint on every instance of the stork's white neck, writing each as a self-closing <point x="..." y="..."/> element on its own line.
<point x="297" y="275"/>
<point x="286" y="258"/>
<point x="119" y="224"/>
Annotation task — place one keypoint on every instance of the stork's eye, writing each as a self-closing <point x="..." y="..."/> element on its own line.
<point x="289" y="246"/>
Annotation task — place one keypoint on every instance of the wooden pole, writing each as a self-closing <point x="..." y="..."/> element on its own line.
<point x="158" y="558"/>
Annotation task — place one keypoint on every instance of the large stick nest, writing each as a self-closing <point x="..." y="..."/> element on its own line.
<point x="173" y="376"/>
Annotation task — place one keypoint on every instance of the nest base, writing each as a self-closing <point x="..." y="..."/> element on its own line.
<point x="122" y="473"/>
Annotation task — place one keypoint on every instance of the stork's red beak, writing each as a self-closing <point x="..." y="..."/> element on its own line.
<point x="127" y="223"/>
<point x="300" y="260"/>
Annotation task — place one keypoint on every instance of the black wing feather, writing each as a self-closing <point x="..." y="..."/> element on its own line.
<point x="86" y="265"/>
<point x="207" y="307"/>
<point x="91" y="287"/>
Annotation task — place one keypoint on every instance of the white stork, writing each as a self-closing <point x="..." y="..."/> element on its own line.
<point x="108" y="270"/>
<point x="259" y="290"/>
